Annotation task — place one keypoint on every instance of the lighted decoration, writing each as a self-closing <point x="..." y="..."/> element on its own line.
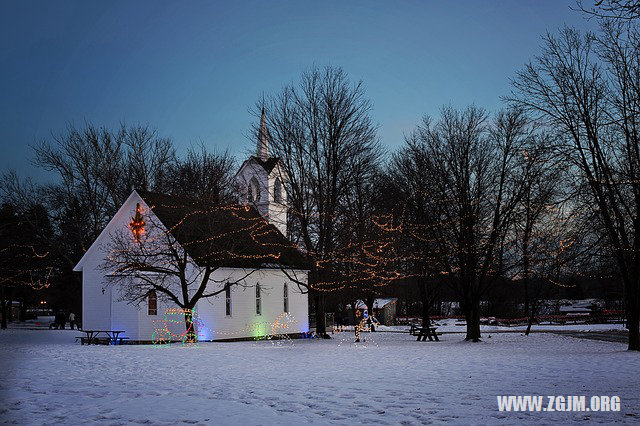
<point x="363" y="326"/>
<point x="280" y="329"/>
<point x="174" y="318"/>
<point x="137" y="224"/>
<point x="163" y="335"/>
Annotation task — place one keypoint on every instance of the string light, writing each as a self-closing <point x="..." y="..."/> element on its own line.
<point x="162" y="334"/>
<point x="172" y="318"/>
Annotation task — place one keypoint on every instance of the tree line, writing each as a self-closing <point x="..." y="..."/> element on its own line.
<point x="544" y="191"/>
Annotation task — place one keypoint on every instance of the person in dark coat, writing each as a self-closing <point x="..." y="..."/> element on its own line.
<point x="62" y="319"/>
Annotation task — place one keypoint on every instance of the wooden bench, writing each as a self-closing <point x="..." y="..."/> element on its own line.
<point x="425" y="333"/>
<point x="84" y="340"/>
<point x="102" y="337"/>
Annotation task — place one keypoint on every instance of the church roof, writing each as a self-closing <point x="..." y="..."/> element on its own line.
<point x="267" y="164"/>
<point x="224" y="236"/>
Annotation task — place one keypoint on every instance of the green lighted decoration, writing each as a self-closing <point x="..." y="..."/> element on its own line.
<point x="163" y="335"/>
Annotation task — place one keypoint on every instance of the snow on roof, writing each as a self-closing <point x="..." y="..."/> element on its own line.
<point x="381" y="303"/>
<point x="377" y="303"/>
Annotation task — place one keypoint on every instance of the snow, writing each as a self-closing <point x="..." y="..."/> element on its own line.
<point x="377" y="303"/>
<point x="389" y="379"/>
<point x="450" y="325"/>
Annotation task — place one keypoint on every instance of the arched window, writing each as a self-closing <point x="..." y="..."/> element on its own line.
<point x="286" y="297"/>
<point x="277" y="191"/>
<point x="153" y="303"/>
<point x="227" y="294"/>
<point x="253" y="190"/>
<point x="258" y="300"/>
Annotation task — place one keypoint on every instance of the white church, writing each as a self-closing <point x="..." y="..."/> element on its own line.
<point x="268" y="296"/>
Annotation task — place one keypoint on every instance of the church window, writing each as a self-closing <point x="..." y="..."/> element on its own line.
<point x="286" y="298"/>
<point x="227" y="293"/>
<point x="153" y="303"/>
<point x="253" y="190"/>
<point x="277" y="191"/>
<point x="258" y="300"/>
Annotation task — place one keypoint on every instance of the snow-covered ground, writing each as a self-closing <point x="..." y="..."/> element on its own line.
<point x="391" y="379"/>
<point x="450" y="325"/>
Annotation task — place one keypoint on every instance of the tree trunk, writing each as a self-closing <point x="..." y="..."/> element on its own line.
<point x="321" y="325"/>
<point x="633" y="319"/>
<point x="534" y="308"/>
<point x="472" y="316"/>
<point x="526" y="296"/>
<point x="9" y="308"/>
<point x="3" y="302"/>
<point x="23" y="311"/>
<point x="191" y="335"/>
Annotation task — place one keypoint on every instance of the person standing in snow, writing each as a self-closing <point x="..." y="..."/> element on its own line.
<point x="72" y="320"/>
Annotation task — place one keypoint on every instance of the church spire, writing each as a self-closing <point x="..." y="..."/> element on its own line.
<point x="263" y="138"/>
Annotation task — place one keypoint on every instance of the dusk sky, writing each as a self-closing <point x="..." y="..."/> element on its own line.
<point x="194" y="69"/>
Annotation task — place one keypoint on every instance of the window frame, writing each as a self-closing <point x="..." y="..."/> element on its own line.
<point x="152" y="296"/>
<point x="277" y="191"/>
<point x="253" y="190"/>
<point x="258" y="300"/>
<point x="228" y="309"/>
<point x="285" y="297"/>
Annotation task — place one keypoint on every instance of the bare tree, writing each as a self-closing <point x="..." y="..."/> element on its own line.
<point x="89" y="164"/>
<point x="24" y="254"/>
<point x="614" y="9"/>
<point x="148" y="159"/>
<point x="321" y="131"/>
<point x="587" y="88"/>
<point x="472" y="188"/>
<point x="97" y="169"/>
<point x="204" y="175"/>
<point x="409" y="199"/>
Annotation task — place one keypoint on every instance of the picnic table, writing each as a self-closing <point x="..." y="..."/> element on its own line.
<point x="424" y="333"/>
<point x="106" y="337"/>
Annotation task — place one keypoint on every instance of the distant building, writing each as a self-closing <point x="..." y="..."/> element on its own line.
<point x="384" y="310"/>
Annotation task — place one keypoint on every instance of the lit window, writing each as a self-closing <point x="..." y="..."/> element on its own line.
<point x="258" y="300"/>
<point x="286" y="297"/>
<point x="153" y="303"/>
<point x="227" y="293"/>
<point x="277" y="191"/>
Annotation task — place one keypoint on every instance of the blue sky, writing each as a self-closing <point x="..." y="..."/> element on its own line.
<point x="193" y="69"/>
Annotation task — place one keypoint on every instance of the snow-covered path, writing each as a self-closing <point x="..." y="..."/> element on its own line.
<point x="392" y="379"/>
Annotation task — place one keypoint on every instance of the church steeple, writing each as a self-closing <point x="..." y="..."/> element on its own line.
<point x="263" y="138"/>
<point x="261" y="182"/>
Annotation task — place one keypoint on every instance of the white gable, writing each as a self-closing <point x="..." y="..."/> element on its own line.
<point x="121" y="218"/>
